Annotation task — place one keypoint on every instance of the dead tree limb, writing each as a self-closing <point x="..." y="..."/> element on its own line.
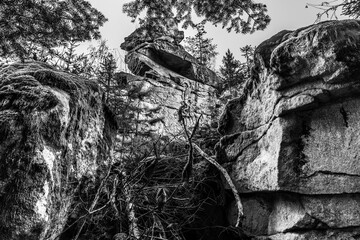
<point x="228" y="180"/>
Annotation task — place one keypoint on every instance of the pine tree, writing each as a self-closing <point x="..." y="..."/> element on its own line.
<point x="200" y="47"/>
<point x="242" y="16"/>
<point x="46" y="24"/>
<point x="66" y="58"/>
<point x="106" y="74"/>
<point x="230" y="70"/>
<point x="248" y="53"/>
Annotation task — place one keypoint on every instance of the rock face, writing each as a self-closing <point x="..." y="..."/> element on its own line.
<point x="291" y="142"/>
<point x="172" y="78"/>
<point x="54" y="131"/>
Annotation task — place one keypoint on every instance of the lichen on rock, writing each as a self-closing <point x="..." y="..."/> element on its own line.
<point x="54" y="131"/>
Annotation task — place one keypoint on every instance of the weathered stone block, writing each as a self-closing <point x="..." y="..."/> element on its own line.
<point x="312" y="152"/>
<point x="304" y="137"/>
<point x="274" y="213"/>
<point x="296" y="131"/>
<point x="347" y="234"/>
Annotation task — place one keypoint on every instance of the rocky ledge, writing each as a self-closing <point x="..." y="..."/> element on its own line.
<point x="291" y="142"/>
<point x="54" y="132"/>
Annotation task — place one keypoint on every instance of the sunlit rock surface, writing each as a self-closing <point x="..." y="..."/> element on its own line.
<point x="54" y="131"/>
<point x="293" y="137"/>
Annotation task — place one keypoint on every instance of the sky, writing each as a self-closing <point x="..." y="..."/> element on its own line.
<point x="285" y="14"/>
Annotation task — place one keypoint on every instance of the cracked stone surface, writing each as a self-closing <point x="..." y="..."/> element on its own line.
<point x="54" y="131"/>
<point x="296" y="130"/>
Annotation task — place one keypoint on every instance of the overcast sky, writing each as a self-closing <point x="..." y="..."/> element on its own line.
<point x="285" y="14"/>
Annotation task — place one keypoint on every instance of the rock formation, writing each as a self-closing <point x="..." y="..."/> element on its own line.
<point x="291" y="142"/>
<point x="54" y="131"/>
<point x="171" y="77"/>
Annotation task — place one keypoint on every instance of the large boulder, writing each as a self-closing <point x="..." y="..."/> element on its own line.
<point x="54" y="131"/>
<point x="296" y="130"/>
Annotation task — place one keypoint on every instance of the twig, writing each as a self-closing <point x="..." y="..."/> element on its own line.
<point x="228" y="180"/>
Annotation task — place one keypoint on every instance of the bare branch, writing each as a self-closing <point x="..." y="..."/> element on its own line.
<point x="228" y="180"/>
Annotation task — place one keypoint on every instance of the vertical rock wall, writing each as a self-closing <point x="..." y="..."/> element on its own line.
<point x="292" y="141"/>
<point x="54" y="131"/>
